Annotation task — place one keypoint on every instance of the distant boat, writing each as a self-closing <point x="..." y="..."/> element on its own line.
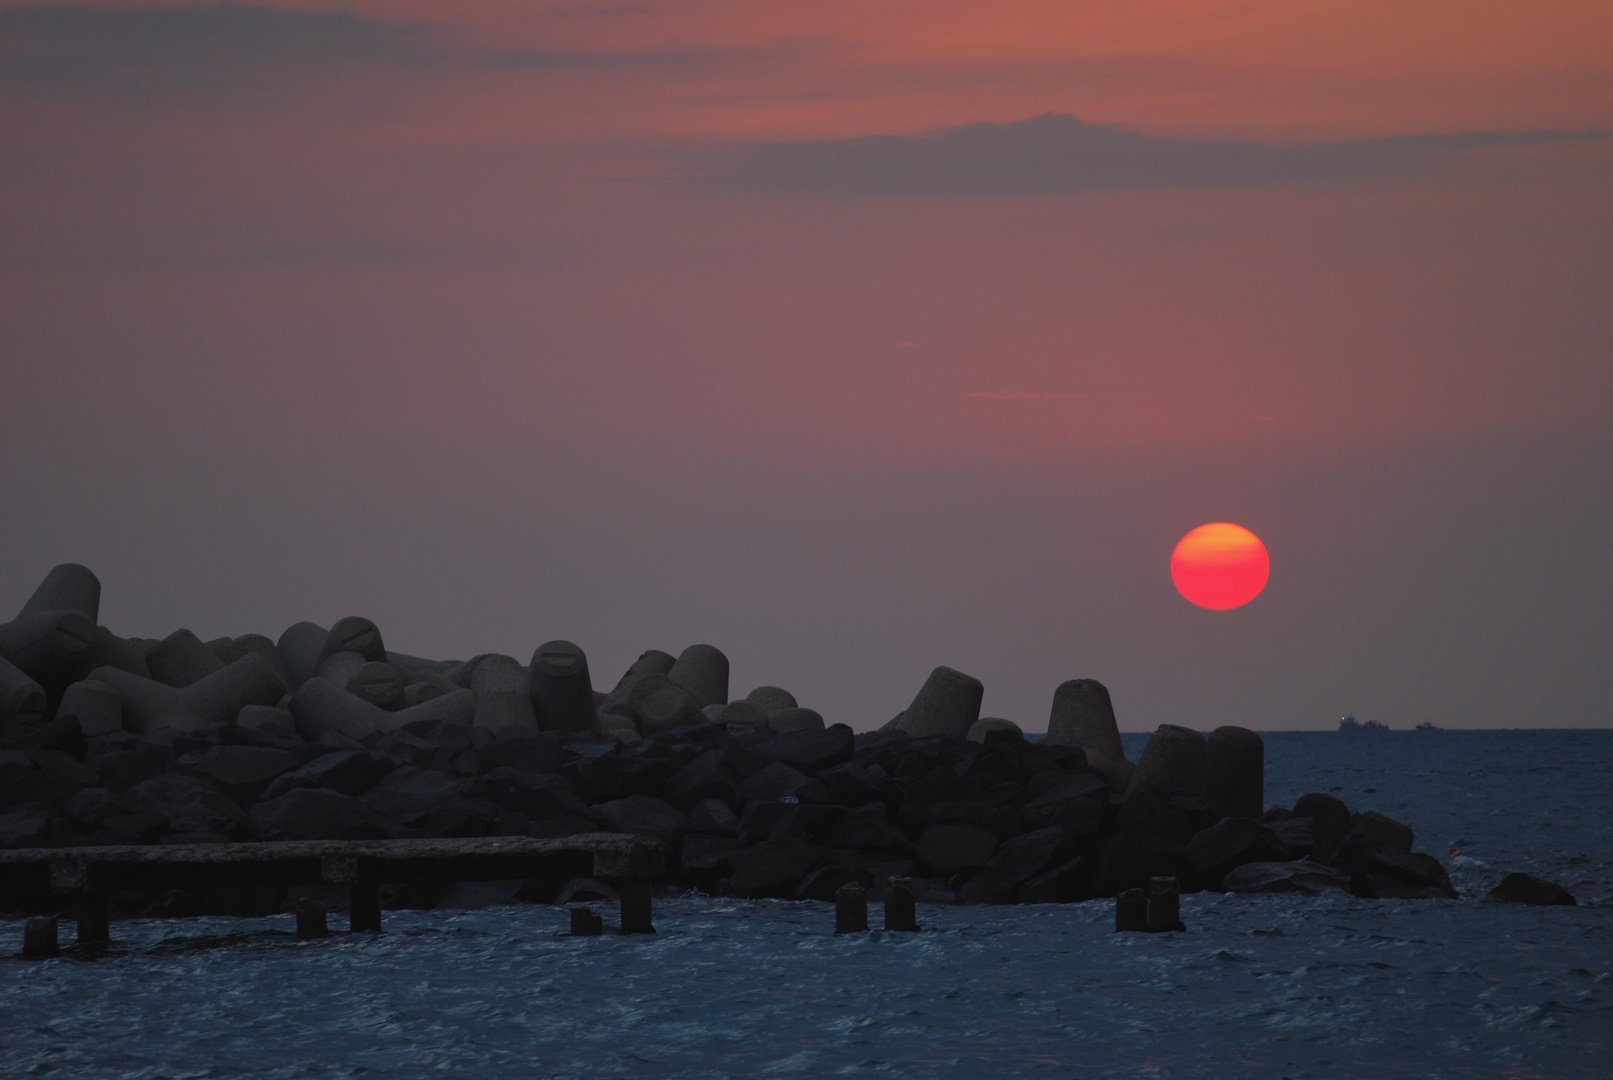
<point x="1427" y="725"/>
<point x="1350" y="723"/>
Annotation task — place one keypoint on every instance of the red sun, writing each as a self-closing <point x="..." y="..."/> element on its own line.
<point x="1220" y="566"/>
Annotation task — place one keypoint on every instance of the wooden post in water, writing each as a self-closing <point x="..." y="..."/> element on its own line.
<point x="1131" y="911"/>
<point x="851" y="908"/>
<point x="311" y="919"/>
<point x="94" y="919"/>
<point x="39" y="940"/>
<point x="364" y="907"/>
<point x="635" y="893"/>
<point x="1164" y="905"/>
<point x="901" y="911"/>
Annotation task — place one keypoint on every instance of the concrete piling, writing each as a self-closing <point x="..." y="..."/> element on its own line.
<point x="39" y="940"/>
<point x="364" y="907"/>
<point x="635" y="894"/>
<point x="901" y="911"/>
<point x="851" y="908"/>
<point x="311" y="919"/>
<point x="1164" y="912"/>
<point x="1131" y="911"/>
<point x="560" y="688"/>
<point x="93" y="913"/>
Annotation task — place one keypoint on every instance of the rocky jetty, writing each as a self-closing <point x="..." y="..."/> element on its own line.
<point x="324" y="733"/>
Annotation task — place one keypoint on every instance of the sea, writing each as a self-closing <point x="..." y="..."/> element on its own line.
<point x="1259" y="987"/>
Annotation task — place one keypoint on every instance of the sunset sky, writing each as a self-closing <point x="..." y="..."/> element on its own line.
<point x="852" y="338"/>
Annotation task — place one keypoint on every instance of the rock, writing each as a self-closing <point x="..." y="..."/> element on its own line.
<point x="798" y="719"/>
<point x="95" y="705"/>
<point x="25" y="826"/>
<point x="947" y="704"/>
<point x="243" y="772"/>
<point x="1079" y="804"/>
<point x="770" y="699"/>
<point x="712" y="817"/>
<point x="1298" y="876"/>
<point x="1523" y="889"/>
<point x="703" y="671"/>
<point x="20" y="697"/>
<point x="321" y="707"/>
<point x="707" y="777"/>
<point x="1133" y="858"/>
<point x="560" y="688"/>
<point x="780" y="781"/>
<point x="408" y="794"/>
<point x="946" y="849"/>
<point x="993" y="729"/>
<point x="188" y="805"/>
<point x="316" y="814"/>
<point x="181" y="659"/>
<point x="706" y="860"/>
<point x="1385" y="830"/>
<point x="804" y="821"/>
<point x="1172" y="761"/>
<point x="865" y="828"/>
<point x="851" y="785"/>
<point x="216" y="699"/>
<point x="1230" y="843"/>
<point x="540" y="796"/>
<point x="1297" y="834"/>
<point x="1067" y="883"/>
<point x="824" y="882"/>
<point x="1235" y="771"/>
<point x="258" y="716"/>
<point x="1378" y="871"/>
<point x="773" y="868"/>
<point x="643" y="815"/>
<point x="351" y="773"/>
<point x="1024" y="857"/>
<point x="812" y="751"/>
<point x="1330" y="822"/>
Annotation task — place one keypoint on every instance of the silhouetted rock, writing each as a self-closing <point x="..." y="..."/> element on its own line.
<point x="316" y="814"/>
<point x="1069" y="882"/>
<point x="1080" y="804"/>
<point x="1378" y="871"/>
<point x="1330" y="822"/>
<point x="812" y="751"/>
<point x="947" y="704"/>
<point x="825" y="882"/>
<point x="643" y="815"/>
<point x="408" y="794"/>
<point x="1131" y="859"/>
<point x="780" y="781"/>
<point x="351" y="773"/>
<point x="188" y="805"/>
<point x="1024" y="857"/>
<point x="851" y="785"/>
<point x="946" y="849"/>
<point x="243" y="772"/>
<point x="1299" y="876"/>
<point x="1385" y="830"/>
<point x="1523" y="889"/>
<point x="773" y="868"/>
<point x="712" y="817"/>
<point x="1230" y="843"/>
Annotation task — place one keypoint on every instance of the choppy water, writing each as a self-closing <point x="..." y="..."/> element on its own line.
<point x="1259" y="987"/>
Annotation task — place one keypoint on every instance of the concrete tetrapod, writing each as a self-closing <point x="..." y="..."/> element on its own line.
<point x="703" y="671"/>
<point x="68" y="587"/>
<point x="320" y="707"/>
<point x="1172" y="761"/>
<point x="379" y="684"/>
<point x="1235" y="771"/>
<point x="217" y="699"/>
<point x="97" y="707"/>
<point x="770" y="699"/>
<point x="51" y="647"/>
<point x="355" y="634"/>
<point x="651" y="662"/>
<point x="1084" y="716"/>
<point x="560" y="689"/>
<point x="947" y="704"/>
<point x="301" y="647"/>
<point x="20" y="697"/>
<point x="502" y="699"/>
<point x="992" y="728"/>
<point x="181" y="659"/>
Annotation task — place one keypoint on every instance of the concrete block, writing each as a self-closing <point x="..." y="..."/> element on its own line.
<point x="703" y="671"/>
<point x="68" y="587"/>
<point x="1172" y="761"/>
<point x="560" y="689"/>
<point x="217" y="699"/>
<point x="947" y="704"/>
<point x="1235" y="771"/>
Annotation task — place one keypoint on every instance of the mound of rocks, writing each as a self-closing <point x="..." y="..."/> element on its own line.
<point x="324" y="733"/>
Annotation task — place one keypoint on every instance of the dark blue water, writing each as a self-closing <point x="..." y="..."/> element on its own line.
<point x="1259" y="987"/>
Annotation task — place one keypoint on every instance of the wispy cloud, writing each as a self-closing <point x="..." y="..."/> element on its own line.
<point x="148" y="47"/>
<point x="1023" y="395"/>
<point x="1056" y="152"/>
